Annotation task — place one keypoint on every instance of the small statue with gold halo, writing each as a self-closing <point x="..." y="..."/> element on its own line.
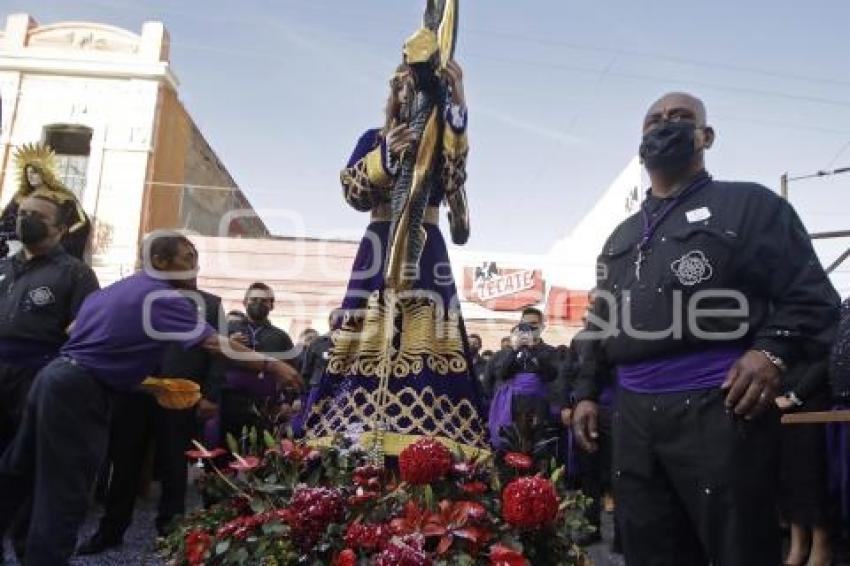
<point x="399" y="367"/>
<point x="36" y="167"/>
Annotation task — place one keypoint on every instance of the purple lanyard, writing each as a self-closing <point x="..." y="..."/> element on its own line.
<point x="651" y="226"/>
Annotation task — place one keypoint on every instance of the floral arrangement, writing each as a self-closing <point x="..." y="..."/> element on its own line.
<point x="289" y="503"/>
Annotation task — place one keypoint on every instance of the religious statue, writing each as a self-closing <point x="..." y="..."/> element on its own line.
<point x="399" y="367"/>
<point x="36" y="167"/>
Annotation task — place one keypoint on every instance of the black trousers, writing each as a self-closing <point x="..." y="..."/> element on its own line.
<point x="138" y="419"/>
<point x="55" y="457"/>
<point x="15" y="383"/>
<point x="595" y="467"/>
<point x="694" y="485"/>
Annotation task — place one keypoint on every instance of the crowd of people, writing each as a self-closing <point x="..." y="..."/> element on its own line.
<point x="711" y="316"/>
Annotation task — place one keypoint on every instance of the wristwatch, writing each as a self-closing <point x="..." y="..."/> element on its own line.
<point x="796" y="401"/>
<point x="775" y="360"/>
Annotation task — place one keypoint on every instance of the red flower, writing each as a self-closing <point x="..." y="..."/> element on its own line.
<point x="413" y="520"/>
<point x="519" y="461"/>
<point x="311" y="511"/>
<point x="501" y="555"/>
<point x="529" y="502"/>
<point x="425" y="461"/>
<point x="453" y="521"/>
<point x="197" y="544"/>
<point x="244" y="464"/>
<point x="202" y="453"/>
<point x="369" y="537"/>
<point x="345" y="558"/>
<point x="474" y="488"/>
<point x="362" y="496"/>
<point x="295" y="452"/>
<point x="404" y="551"/>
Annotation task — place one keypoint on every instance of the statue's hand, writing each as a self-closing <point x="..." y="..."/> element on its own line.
<point x="400" y="138"/>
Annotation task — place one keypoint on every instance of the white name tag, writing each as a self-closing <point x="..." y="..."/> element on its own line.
<point x="698" y="214"/>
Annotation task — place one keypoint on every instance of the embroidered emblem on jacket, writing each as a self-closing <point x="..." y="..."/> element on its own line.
<point x="42" y="296"/>
<point x="692" y="268"/>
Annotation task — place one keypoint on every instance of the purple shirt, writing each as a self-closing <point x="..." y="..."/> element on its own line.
<point x="122" y="331"/>
<point x="690" y="371"/>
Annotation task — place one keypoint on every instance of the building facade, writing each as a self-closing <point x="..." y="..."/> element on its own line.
<point x="106" y="99"/>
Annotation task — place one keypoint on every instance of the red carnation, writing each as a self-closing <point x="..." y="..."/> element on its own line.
<point x="425" y="461"/>
<point x="474" y="488"/>
<point x="197" y="544"/>
<point x="311" y="511"/>
<point x="519" y="461"/>
<point x="404" y="551"/>
<point x="345" y="558"/>
<point x="501" y="555"/>
<point x="369" y="537"/>
<point x="529" y="502"/>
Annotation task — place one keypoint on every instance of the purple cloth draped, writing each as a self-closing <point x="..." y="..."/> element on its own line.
<point x="501" y="415"/>
<point x="307" y="401"/>
<point x="434" y="392"/>
<point x="690" y="371"/>
<point x="838" y="454"/>
<point x="248" y="382"/>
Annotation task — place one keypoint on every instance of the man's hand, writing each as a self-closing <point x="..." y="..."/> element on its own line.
<point x="585" y="416"/>
<point x="454" y="79"/>
<point x="400" y="138"/>
<point x="567" y="416"/>
<point x="285" y="374"/>
<point x="752" y="384"/>
<point x="206" y="410"/>
<point x="784" y="404"/>
<point x="239" y="337"/>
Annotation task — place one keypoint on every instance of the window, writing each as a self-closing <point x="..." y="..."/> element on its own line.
<point x="72" y="145"/>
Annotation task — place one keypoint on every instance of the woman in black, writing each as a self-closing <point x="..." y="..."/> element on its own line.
<point x="803" y="481"/>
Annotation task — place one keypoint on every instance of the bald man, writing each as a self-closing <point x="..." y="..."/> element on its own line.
<point x="704" y="297"/>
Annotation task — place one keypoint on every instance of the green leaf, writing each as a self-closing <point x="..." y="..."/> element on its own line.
<point x="273" y="528"/>
<point x="258" y="506"/>
<point x="557" y="475"/>
<point x="222" y="547"/>
<point x="252" y="440"/>
<point x="269" y="439"/>
<point x="428" y="495"/>
<point x="232" y="444"/>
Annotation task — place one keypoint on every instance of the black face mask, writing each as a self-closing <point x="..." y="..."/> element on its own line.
<point x="258" y="311"/>
<point x="669" y="147"/>
<point x="31" y="230"/>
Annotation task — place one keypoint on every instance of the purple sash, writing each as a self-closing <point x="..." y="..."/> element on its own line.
<point x="704" y="369"/>
<point x="525" y="384"/>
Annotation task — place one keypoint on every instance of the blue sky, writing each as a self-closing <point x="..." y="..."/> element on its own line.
<point x="557" y="90"/>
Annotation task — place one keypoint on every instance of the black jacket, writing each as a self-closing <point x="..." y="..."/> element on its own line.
<point x="316" y="360"/>
<point x="726" y="238"/>
<point x="543" y="359"/>
<point x="197" y="363"/>
<point x="40" y="297"/>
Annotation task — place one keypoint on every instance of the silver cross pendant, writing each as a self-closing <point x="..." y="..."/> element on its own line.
<point x="638" y="262"/>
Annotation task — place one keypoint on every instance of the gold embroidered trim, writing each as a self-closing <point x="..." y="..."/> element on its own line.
<point x="455" y="145"/>
<point x="406" y="412"/>
<point x="378" y="176"/>
<point x="365" y="345"/>
<point x="394" y="443"/>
